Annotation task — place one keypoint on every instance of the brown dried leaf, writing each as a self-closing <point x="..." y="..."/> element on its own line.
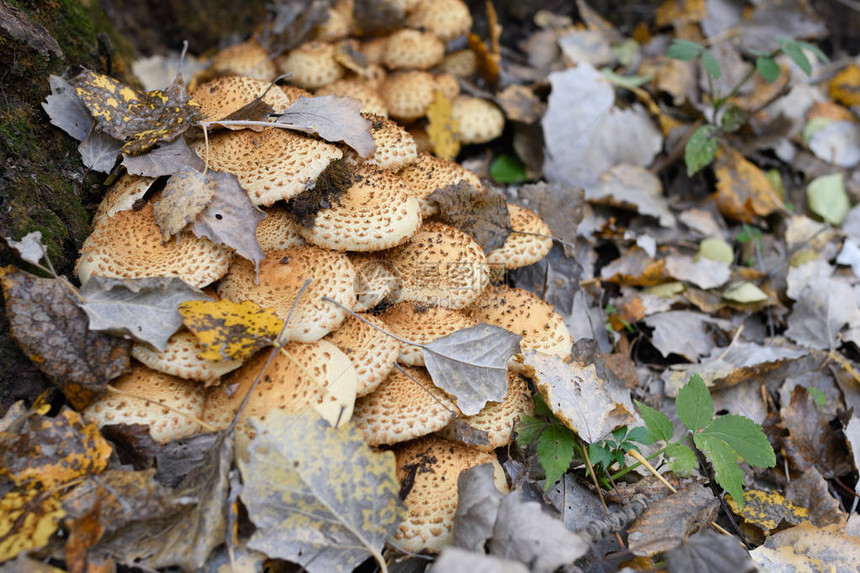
<point x="480" y="213"/>
<point x="744" y="193"/>
<point x="811" y="441"/>
<point x="811" y="491"/>
<point x="559" y="205"/>
<point x="671" y="520"/>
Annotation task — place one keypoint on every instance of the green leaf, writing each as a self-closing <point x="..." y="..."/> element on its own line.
<point x="555" y="449"/>
<point x="725" y="462"/>
<point x="816" y="51"/>
<point x="768" y="68"/>
<point x="712" y="65"/>
<point x="828" y="199"/>
<point x="599" y="454"/>
<point x="701" y="149"/>
<point x="819" y="396"/>
<point x="694" y="404"/>
<point x="682" y="460"/>
<point x="793" y="50"/>
<point x="745" y="437"/>
<point x="684" y="50"/>
<point x="541" y="409"/>
<point x="733" y="119"/>
<point x="626" y="82"/>
<point x="529" y="429"/>
<point x="508" y="169"/>
<point x="642" y="435"/>
<point x="619" y="434"/>
<point x="657" y="422"/>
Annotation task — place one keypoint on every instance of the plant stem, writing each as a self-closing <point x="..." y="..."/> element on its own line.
<point x="629" y="469"/>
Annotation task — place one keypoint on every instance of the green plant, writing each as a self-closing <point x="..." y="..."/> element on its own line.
<point x="701" y="147"/>
<point x="750" y="238"/>
<point x="605" y="453"/>
<point x="612" y="313"/>
<point x="555" y="442"/>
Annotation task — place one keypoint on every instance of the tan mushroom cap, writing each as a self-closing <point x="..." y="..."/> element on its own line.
<point x="374" y="280"/>
<point x="373" y="353"/>
<point x="312" y="65"/>
<point x="395" y="148"/>
<point x="282" y="274"/>
<point x="271" y="165"/>
<point x="122" y="196"/>
<point x="418" y="131"/>
<point x="461" y="63"/>
<point x="429" y="173"/>
<point x="373" y="214"/>
<point x="521" y="250"/>
<point x="448" y="85"/>
<point x="339" y="23"/>
<point x="523" y="313"/>
<point x="413" y="49"/>
<point x="498" y="419"/>
<point x="222" y="96"/>
<point x="478" y="120"/>
<point x="246" y="59"/>
<point x="448" y="19"/>
<point x="441" y="266"/>
<point x="278" y="231"/>
<point x="434" y="465"/>
<point x="355" y="88"/>
<point x="181" y="358"/>
<point x="405" y="406"/>
<point x="128" y="246"/>
<point x="407" y="95"/>
<point x="293" y="93"/>
<point x="185" y="397"/>
<point x="419" y="323"/>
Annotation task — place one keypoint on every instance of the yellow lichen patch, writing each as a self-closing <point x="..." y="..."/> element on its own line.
<point x="441" y="128"/>
<point x="27" y="520"/>
<point x="767" y="509"/>
<point x="228" y="329"/>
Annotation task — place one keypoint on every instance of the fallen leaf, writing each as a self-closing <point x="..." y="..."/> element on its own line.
<point x="520" y="104"/>
<point x="844" y="87"/>
<point x="185" y="195"/>
<point x="837" y="143"/>
<point x="744" y="292"/>
<point x="375" y="17"/>
<point x="28" y="519"/>
<point x="455" y="560"/>
<point x="704" y="273"/>
<point x="632" y="187"/>
<point x="230" y="330"/>
<point x="828" y="199"/>
<point x="560" y="206"/>
<point x="333" y="118"/>
<point x="99" y="151"/>
<point x="811" y="442"/>
<point x="767" y="510"/>
<point x="442" y="128"/>
<point x="822" y="309"/>
<point x="66" y="110"/>
<point x="292" y="23"/>
<point x="710" y="552"/>
<point x="482" y="214"/>
<point x="670" y="521"/>
<point x="166" y="159"/>
<point x="683" y="332"/>
<point x="477" y="508"/>
<point x="635" y="268"/>
<point x="807" y="547"/>
<point x="30" y="248"/>
<point x="743" y="191"/>
<point x="176" y="459"/>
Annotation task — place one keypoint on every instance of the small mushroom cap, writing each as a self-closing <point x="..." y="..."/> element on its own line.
<point x="407" y="95"/>
<point x="282" y="274"/>
<point x="448" y="85"/>
<point x="181" y="358"/>
<point x="245" y="59"/>
<point x="498" y="419"/>
<point x="433" y="466"/>
<point x="448" y="19"/>
<point x="523" y="313"/>
<point x="185" y="397"/>
<point x="521" y="250"/>
<point x="128" y="246"/>
<point x="462" y="63"/>
<point x="373" y="214"/>
<point x="374" y="49"/>
<point x="339" y="24"/>
<point x="478" y="120"/>
<point x="293" y="93"/>
<point x="405" y="406"/>
<point x="395" y="147"/>
<point x="413" y="49"/>
<point x="271" y="165"/>
<point x="122" y="196"/>
<point x="429" y="173"/>
<point x="312" y="65"/>
<point x="222" y="96"/>
<point x="441" y="266"/>
<point x="419" y="323"/>
<point x="355" y="88"/>
<point x="374" y="280"/>
<point x="373" y="353"/>
<point x="278" y="231"/>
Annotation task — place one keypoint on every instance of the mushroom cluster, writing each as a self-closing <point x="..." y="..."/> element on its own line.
<point x="377" y="251"/>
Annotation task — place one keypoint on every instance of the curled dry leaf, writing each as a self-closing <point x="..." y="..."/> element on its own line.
<point x="333" y="118"/>
<point x="479" y="213"/>
<point x="30" y="248"/>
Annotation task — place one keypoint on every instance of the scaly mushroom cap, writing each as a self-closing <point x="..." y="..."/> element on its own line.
<point x="448" y="85"/>
<point x="223" y="96"/>
<point x="278" y="231"/>
<point x="373" y="353"/>
<point x="521" y="250"/>
<point x="462" y="63"/>
<point x="523" y="313"/>
<point x="429" y="173"/>
<point x="395" y="148"/>
<point x="418" y="323"/>
<point x="374" y="49"/>
<point x="293" y="93"/>
<point x="448" y="19"/>
<point x="478" y="120"/>
<point x="185" y="397"/>
<point x="355" y="88"/>
<point x="122" y="196"/>
<point x="433" y="466"/>
<point x="407" y="95"/>
<point x="441" y="266"/>
<point x="373" y="214"/>
<point x="271" y="165"/>
<point x="374" y="280"/>
<point x="181" y="358"/>
<point x="282" y="274"/>
<point x="339" y="24"/>
<point x="245" y="59"/>
<point x="498" y="419"/>
<point x="312" y="65"/>
<point x="405" y="406"/>
<point x="413" y="49"/>
<point x="128" y="246"/>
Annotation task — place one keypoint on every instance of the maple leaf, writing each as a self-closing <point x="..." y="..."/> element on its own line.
<point x="442" y="128"/>
<point x="477" y="212"/>
<point x="228" y="329"/>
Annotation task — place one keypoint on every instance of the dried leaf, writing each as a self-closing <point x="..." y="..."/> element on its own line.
<point x="66" y="110"/>
<point x="683" y="332"/>
<point x="166" y="159"/>
<point x="744" y="192"/>
<point x="376" y="17"/>
<point x="811" y="441"/>
<point x="632" y="187"/>
<point x="482" y="214"/>
<point x="442" y="128"/>
<point x="325" y="517"/>
<point x="28" y="519"/>
<point x="710" y="552"/>
<point x="559" y="205"/>
<point x="230" y="330"/>
<point x="185" y="195"/>
<point x="99" y="151"/>
<point x="768" y="509"/>
<point x="823" y="308"/>
<point x="704" y="273"/>
<point x="844" y="87"/>
<point x="828" y="548"/>
<point x="477" y="507"/>
<point x="333" y="118"/>
<point x="828" y="199"/>
<point x="30" y="248"/>
<point x="455" y="560"/>
<point x="668" y="522"/>
<point x="292" y="22"/>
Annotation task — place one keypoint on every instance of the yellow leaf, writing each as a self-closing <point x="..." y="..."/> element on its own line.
<point x="673" y="12"/>
<point x="744" y="192"/>
<point x="767" y="509"/>
<point x="845" y="86"/>
<point x="28" y="518"/>
<point x="228" y="329"/>
<point x="441" y="128"/>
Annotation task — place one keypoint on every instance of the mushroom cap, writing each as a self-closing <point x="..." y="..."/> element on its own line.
<point x="498" y="419"/>
<point x="312" y="65"/>
<point x="373" y="353"/>
<point x="373" y="214"/>
<point x="405" y="406"/>
<point x="374" y="49"/>
<point x="374" y="280"/>
<point x="339" y="24"/>
<point x="419" y="323"/>
<point x="164" y="425"/>
<point x="245" y="59"/>
<point x="440" y="265"/>
<point x="271" y="165"/>
<point x="282" y="274"/>
<point x="433" y="465"/>
<point x="523" y="313"/>
<point x="278" y="231"/>
<point x="448" y="19"/>
<point x="371" y="103"/>
<point x="478" y="120"/>
<point x="128" y="246"/>
<point x="293" y="93"/>
<point x="429" y="174"/>
<point x="395" y="147"/>
<point x="461" y="63"/>
<point x="222" y="96"/>
<point x="521" y="250"/>
<point x="448" y="85"/>
<point x="122" y="196"/>
<point x="407" y="95"/>
<point x="413" y="49"/>
<point x="181" y="358"/>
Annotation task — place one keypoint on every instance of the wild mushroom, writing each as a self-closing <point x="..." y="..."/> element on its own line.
<point x="278" y="231"/>
<point x="519" y="249"/>
<point x="395" y="148"/>
<point x="407" y="95"/>
<point x="429" y="173"/>
<point x="122" y="196"/>
<point x="413" y="49"/>
<point x="371" y="103"/>
<point x="181" y="358"/>
<point x="372" y="352"/>
<point x="420" y="323"/>
<point x="312" y="65"/>
<point x="222" y="96"/>
<point x="448" y="19"/>
<point x="478" y="120"/>
<point x="245" y="59"/>
<point x="374" y="280"/>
